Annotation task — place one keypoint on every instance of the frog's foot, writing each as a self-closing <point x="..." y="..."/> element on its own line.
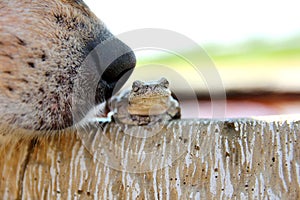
<point x="140" y="119"/>
<point x="96" y="114"/>
<point x="172" y="116"/>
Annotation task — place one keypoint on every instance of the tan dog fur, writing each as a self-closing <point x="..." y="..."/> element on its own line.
<point x="42" y="45"/>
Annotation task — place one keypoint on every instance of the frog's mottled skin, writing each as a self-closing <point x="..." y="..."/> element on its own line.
<point x="145" y="103"/>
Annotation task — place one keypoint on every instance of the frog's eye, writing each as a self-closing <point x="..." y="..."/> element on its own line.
<point x="164" y="82"/>
<point x="135" y="89"/>
<point x="136" y="85"/>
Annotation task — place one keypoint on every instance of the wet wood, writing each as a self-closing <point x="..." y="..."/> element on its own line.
<point x="242" y="158"/>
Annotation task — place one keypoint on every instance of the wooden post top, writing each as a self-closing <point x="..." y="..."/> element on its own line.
<point x="196" y="158"/>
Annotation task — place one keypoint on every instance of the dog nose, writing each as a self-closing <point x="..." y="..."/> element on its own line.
<point x="116" y="63"/>
<point x="120" y="70"/>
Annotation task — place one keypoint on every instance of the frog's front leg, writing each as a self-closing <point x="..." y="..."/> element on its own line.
<point x="99" y="113"/>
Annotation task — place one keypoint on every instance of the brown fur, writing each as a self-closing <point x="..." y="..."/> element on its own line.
<point x="42" y="45"/>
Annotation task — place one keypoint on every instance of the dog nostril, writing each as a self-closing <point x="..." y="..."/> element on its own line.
<point x="118" y="72"/>
<point x="119" y="68"/>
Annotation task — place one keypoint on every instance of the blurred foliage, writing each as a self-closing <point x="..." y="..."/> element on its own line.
<point x="246" y="53"/>
<point x="257" y="49"/>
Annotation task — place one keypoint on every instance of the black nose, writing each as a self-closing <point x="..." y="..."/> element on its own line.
<point x="116" y="63"/>
<point x="118" y="72"/>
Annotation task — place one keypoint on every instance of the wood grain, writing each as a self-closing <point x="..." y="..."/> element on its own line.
<point x="185" y="159"/>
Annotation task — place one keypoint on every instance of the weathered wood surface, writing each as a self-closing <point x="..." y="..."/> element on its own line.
<point x="239" y="159"/>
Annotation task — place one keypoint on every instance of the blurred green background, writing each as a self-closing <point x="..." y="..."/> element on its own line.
<point x="254" y="45"/>
<point x="260" y="77"/>
<point x="254" y="64"/>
